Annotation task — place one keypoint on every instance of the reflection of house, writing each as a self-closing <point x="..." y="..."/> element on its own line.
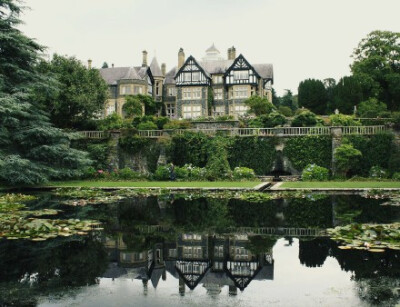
<point x="214" y="261"/>
<point x="213" y="86"/>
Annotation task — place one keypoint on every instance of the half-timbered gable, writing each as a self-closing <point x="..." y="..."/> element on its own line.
<point x="241" y="72"/>
<point x="192" y="74"/>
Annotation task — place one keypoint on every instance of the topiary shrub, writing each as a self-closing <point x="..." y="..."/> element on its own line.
<point x="243" y="173"/>
<point x="346" y="157"/>
<point x="313" y="172"/>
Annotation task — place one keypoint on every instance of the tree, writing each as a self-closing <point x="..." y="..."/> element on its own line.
<point x="287" y="100"/>
<point x="348" y="93"/>
<point x="371" y="108"/>
<point x="79" y="94"/>
<point x="346" y="157"/>
<point x="132" y="107"/>
<point x="312" y="95"/>
<point x="32" y="150"/>
<point x="105" y="65"/>
<point x="330" y="84"/>
<point x="377" y="63"/>
<point x="259" y="106"/>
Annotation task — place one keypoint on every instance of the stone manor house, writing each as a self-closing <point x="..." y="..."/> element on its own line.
<point x="212" y="86"/>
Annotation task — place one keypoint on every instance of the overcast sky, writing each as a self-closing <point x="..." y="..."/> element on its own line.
<point x="301" y="38"/>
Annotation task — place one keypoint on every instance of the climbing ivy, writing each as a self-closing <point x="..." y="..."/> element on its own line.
<point x="257" y="153"/>
<point x="304" y="150"/>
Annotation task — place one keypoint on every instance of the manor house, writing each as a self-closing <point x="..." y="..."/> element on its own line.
<point x="212" y="86"/>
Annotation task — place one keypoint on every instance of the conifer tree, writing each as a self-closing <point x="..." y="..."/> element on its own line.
<point x="31" y="149"/>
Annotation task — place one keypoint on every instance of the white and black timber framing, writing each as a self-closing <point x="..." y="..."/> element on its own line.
<point x="192" y="74"/>
<point x="241" y="64"/>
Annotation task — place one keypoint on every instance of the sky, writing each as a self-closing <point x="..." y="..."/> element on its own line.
<point x="301" y="38"/>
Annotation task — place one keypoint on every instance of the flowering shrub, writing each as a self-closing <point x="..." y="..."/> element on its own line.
<point x="243" y="173"/>
<point x="315" y="172"/>
<point x="378" y="172"/>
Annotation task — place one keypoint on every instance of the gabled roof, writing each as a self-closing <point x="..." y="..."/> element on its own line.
<point x="243" y="60"/>
<point x="216" y="67"/>
<point x="169" y="77"/>
<point x="112" y="75"/>
<point x="266" y="71"/>
<point x="191" y="58"/>
<point x="131" y="74"/>
<point x="155" y="68"/>
<point x="142" y="71"/>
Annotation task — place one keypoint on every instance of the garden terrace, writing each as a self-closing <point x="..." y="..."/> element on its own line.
<point x="244" y="132"/>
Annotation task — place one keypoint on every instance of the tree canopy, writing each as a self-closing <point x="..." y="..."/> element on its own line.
<point x="312" y="95"/>
<point x="31" y="149"/>
<point x="377" y="63"/>
<point x="259" y="106"/>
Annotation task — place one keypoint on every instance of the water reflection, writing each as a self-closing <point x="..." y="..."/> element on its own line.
<point x="200" y="244"/>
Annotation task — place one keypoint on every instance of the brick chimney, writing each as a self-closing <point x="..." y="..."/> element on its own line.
<point x="229" y="53"/>
<point x="233" y="53"/>
<point x="163" y="69"/>
<point x="89" y="64"/>
<point x="144" y="63"/>
<point x="181" y="58"/>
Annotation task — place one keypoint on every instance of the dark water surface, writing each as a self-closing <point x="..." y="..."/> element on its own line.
<point x="204" y="252"/>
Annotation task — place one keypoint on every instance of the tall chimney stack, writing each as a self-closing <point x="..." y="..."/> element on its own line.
<point x="89" y="64"/>
<point x="181" y="58"/>
<point x="229" y="53"/>
<point x="233" y="53"/>
<point x="112" y="65"/>
<point x="163" y="69"/>
<point x="144" y="63"/>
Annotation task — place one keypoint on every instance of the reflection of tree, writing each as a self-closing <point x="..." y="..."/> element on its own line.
<point x="46" y="268"/>
<point x="254" y="214"/>
<point x="261" y="244"/>
<point x="138" y="211"/>
<point x="376" y="274"/>
<point x="309" y="213"/>
<point x="314" y="252"/>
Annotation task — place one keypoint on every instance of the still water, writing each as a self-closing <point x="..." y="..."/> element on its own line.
<point x="204" y="252"/>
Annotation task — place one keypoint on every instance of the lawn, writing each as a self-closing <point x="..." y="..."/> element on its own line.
<point x="341" y="184"/>
<point x="157" y="184"/>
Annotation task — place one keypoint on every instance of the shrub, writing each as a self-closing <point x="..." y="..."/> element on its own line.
<point x="181" y="172"/>
<point x="346" y="157"/>
<point x="396" y="176"/>
<point x="177" y="124"/>
<point x="315" y="172"/>
<point x="162" y="173"/>
<point x="371" y="108"/>
<point x="286" y="111"/>
<point x="273" y="119"/>
<point x="126" y="174"/>
<point x="343" y="120"/>
<point x="111" y="122"/>
<point x="217" y="164"/>
<point x="161" y="121"/>
<point x="378" y="172"/>
<point x="243" y="173"/>
<point x="305" y="119"/>
<point x="147" y="126"/>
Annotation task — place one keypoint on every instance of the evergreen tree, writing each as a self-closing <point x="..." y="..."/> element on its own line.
<point x="312" y="95"/>
<point x="32" y="150"/>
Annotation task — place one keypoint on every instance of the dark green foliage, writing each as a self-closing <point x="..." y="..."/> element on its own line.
<point x="305" y="119"/>
<point x="259" y="105"/>
<point x="147" y="126"/>
<point x="151" y="106"/>
<point x="286" y="111"/>
<point x="347" y="94"/>
<point x="305" y="150"/>
<point x="189" y="147"/>
<point x="98" y="151"/>
<point x="132" y="106"/>
<point x="79" y="93"/>
<point x="113" y="122"/>
<point x="346" y="158"/>
<point x="376" y="151"/>
<point x="371" y="108"/>
<point x="288" y="101"/>
<point x="376" y="62"/>
<point x="312" y="95"/>
<point x="217" y="159"/>
<point x="253" y="152"/>
<point x="314" y="172"/>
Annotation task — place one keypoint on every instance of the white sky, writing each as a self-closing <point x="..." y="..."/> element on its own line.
<point x="301" y="38"/>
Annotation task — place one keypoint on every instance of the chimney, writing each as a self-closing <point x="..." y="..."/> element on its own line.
<point x="144" y="64"/>
<point x="181" y="58"/>
<point x="163" y="69"/>
<point x="112" y="65"/>
<point x="229" y="53"/>
<point x="89" y="64"/>
<point x="233" y="53"/>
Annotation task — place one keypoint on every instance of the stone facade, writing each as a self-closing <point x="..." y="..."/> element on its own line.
<point x="219" y="86"/>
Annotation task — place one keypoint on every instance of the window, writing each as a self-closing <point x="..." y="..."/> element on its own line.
<point x="219" y="111"/>
<point x="172" y="252"/>
<point x="172" y="91"/>
<point x="125" y="90"/>
<point x="138" y="90"/>
<point x="187" y="76"/>
<point x="158" y="88"/>
<point x="192" y="252"/>
<point x="191" y="111"/>
<point x="240" y="92"/>
<point x="219" y="251"/>
<point x="218" y="94"/>
<point x="170" y="110"/>
<point x="241" y="110"/>
<point x="110" y="109"/>
<point x="217" y="79"/>
<point x="191" y="93"/>
<point x="241" y="75"/>
<point x="196" y="76"/>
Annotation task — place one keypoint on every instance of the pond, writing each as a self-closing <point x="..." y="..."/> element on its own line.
<point x="168" y="249"/>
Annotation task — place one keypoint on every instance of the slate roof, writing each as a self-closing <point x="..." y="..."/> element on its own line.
<point x="266" y="71"/>
<point x="169" y="77"/>
<point x="131" y="74"/>
<point x="155" y="68"/>
<point x="216" y="67"/>
<point x="112" y="75"/>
